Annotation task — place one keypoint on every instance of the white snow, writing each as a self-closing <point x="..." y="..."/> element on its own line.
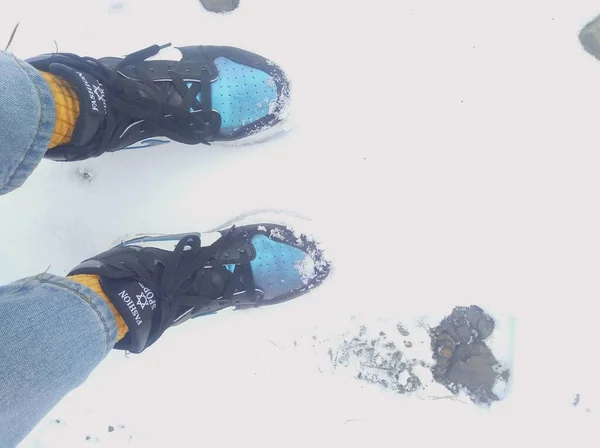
<point x="501" y="388"/>
<point x="276" y="234"/>
<point x="448" y="155"/>
<point x="403" y="378"/>
<point x="307" y="269"/>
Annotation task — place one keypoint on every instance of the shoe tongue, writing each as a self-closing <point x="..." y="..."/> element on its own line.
<point x="92" y="102"/>
<point x="136" y="303"/>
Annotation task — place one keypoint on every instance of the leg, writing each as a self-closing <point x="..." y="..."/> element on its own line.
<point x="67" y="108"/>
<point x="27" y="117"/>
<point x="53" y="331"/>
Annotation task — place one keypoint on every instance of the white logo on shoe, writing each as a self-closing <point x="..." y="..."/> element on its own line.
<point x="146" y="298"/>
<point x="129" y="303"/>
<point x="95" y="92"/>
<point x="90" y="92"/>
<point x="99" y="92"/>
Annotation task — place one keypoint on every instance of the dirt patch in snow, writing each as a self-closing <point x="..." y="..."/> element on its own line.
<point x="380" y="359"/>
<point x="408" y="359"/>
<point x="589" y="37"/>
<point x="463" y="361"/>
<point x="220" y="5"/>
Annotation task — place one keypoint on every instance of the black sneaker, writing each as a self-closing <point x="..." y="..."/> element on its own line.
<point x="159" y="281"/>
<point x="197" y="95"/>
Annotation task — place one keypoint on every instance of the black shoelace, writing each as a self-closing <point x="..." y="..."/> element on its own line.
<point x="129" y="101"/>
<point x="185" y="279"/>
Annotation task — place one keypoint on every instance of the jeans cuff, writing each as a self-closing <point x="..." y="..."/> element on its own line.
<point x="39" y="145"/>
<point x="96" y="303"/>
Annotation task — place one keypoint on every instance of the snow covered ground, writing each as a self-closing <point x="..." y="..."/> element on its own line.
<point x="447" y="153"/>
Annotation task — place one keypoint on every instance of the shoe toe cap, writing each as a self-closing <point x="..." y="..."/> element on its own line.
<point x="251" y="93"/>
<point x="285" y="265"/>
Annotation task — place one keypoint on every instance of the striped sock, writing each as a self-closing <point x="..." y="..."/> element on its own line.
<point x="66" y="102"/>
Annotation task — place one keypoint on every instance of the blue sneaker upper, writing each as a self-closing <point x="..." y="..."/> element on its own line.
<point x="241" y="95"/>
<point x="279" y="268"/>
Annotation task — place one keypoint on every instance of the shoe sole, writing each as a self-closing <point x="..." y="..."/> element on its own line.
<point x="268" y="134"/>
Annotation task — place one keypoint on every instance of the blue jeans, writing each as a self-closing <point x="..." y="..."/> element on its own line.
<point x="53" y="331"/>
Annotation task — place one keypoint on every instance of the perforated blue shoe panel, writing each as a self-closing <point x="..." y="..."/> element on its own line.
<point x="275" y="267"/>
<point x="241" y="95"/>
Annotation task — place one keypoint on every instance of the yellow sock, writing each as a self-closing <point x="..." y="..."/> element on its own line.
<point x="66" y="101"/>
<point x="93" y="282"/>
